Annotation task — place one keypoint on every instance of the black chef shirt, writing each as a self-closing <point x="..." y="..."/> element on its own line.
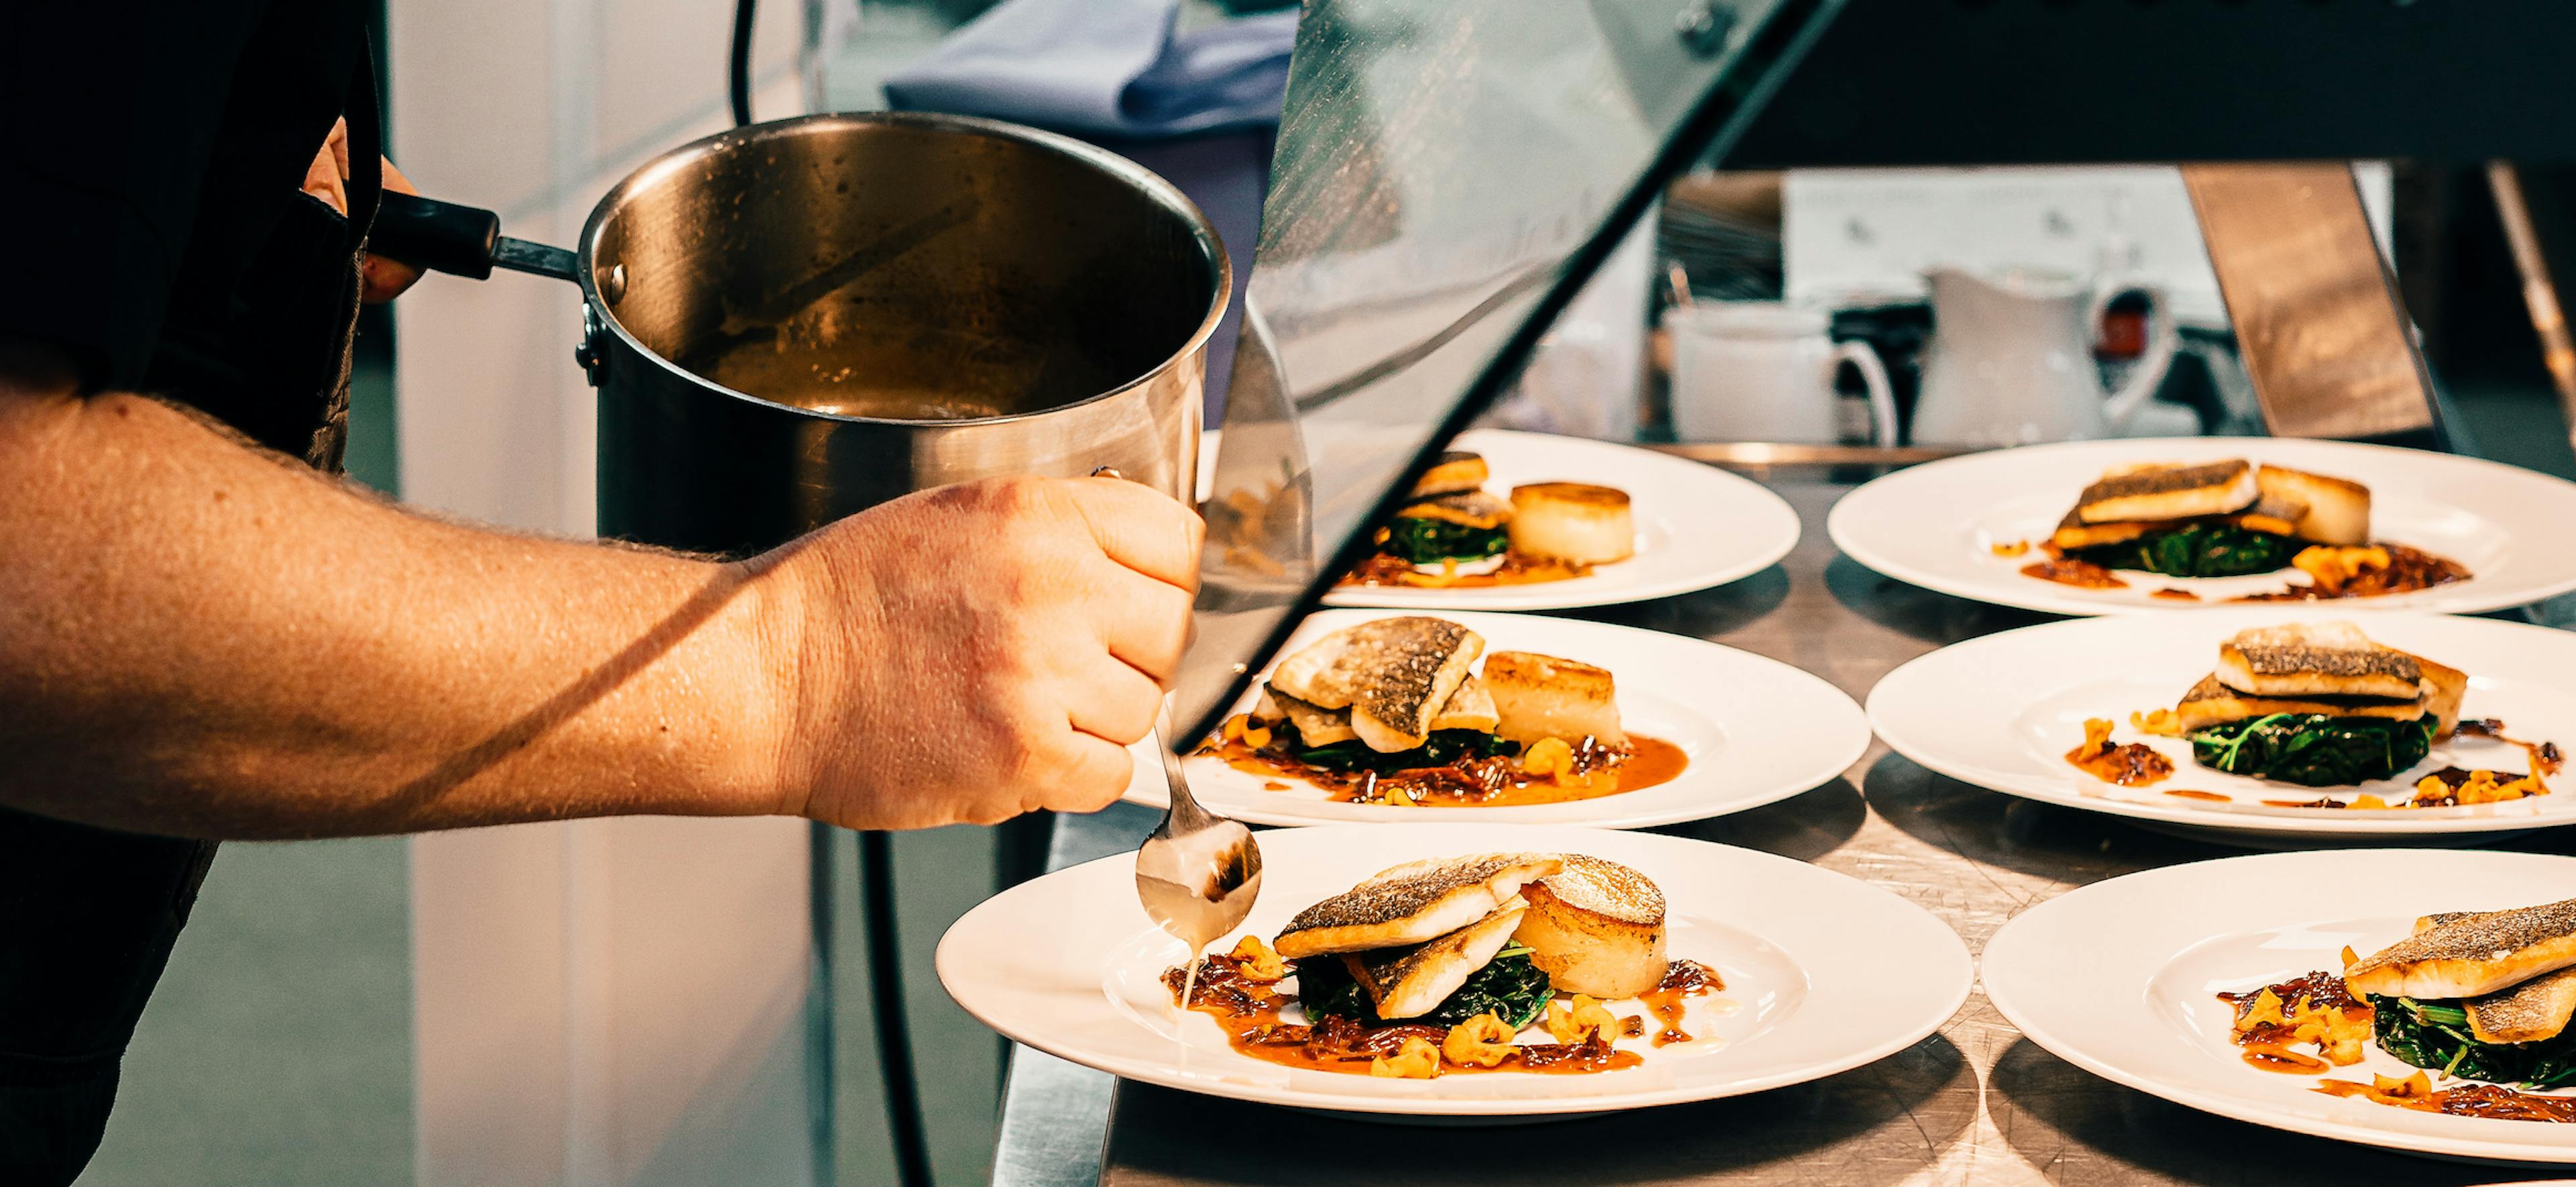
<point x="151" y="158"/>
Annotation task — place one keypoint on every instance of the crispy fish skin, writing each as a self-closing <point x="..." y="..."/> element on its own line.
<point x="2073" y="533"/>
<point x="2307" y="659"/>
<point x="2471" y="957"/>
<point x="2444" y="688"/>
<point x="2278" y="514"/>
<point x="1316" y="725"/>
<point x="2268" y="514"/>
<point x="1394" y="674"/>
<point x="1411" y="981"/>
<point x="1454" y="471"/>
<point x="1469" y="708"/>
<point x="2527" y="1013"/>
<point x="1597" y="928"/>
<point x="1472" y="508"/>
<point x="2212" y="703"/>
<point x="2169" y="492"/>
<point x="2535" y="1010"/>
<point x="1412" y="903"/>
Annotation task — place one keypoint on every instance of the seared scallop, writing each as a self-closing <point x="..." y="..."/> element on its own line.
<point x="1573" y="522"/>
<point x="2337" y="510"/>
<point x="1541" y="696"/>
<point x="1595" y="928"/>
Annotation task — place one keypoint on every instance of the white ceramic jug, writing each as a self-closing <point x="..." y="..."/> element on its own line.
<point x="1764" y="371"/>
<point x="2011" y="358"/>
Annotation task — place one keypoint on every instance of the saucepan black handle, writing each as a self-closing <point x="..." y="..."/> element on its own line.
<point x="457" y="239"/>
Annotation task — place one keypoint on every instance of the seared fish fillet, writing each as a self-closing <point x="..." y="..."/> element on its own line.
<point x="2212" y="703"/>
<point x="1469" y="708"/>
<point x="2444" y="688"/>
<point x="1316" y="725"/>
<point x="1413" y="902"/>
<point x="2073" y="533"/>
<point x="2307" y="659"/>
<point x="2472" y="956"/>
<point x="1597" y="928"/>
<point x="1455" y="471"/>
<point x="2268" y="514"/>
<point x="1393" y="674"/>
<point x="2169" y="492"/>
<point x="2527" y="1013"/>
<point x="1470" y="508"/>
<point x="1411" y="981"/>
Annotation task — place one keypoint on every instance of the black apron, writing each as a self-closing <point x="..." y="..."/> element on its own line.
<point x="88" y="915"/>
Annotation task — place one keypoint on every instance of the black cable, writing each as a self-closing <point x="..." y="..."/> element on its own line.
<point x="738" y="75"/>
<point x="894" y="1037"/>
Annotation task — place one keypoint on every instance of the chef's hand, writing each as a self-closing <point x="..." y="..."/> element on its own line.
<point x="327" y="178"/>
<point x="979" y="651"/>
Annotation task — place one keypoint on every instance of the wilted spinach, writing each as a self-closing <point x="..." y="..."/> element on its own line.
<point x="2314" y="749"/>
<point x="2436" y="1035"/>
<point x="2199" y="550"/>
<point x="1511" y="988"/>
<point x="1423" y="541"/>
<point x="1443" y="748"/>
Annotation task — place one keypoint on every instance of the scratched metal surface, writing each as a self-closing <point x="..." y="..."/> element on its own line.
<point x="1975" y="1103"/>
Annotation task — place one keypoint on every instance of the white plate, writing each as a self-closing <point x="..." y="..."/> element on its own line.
<point x="1756" y="730"/>
<point x="2003" y="710"/>
<point x="1934" y="525"/>
<point x="1697" y="525"/>
<point x="1068" y="964"/>
<point x="2119" y="978"/>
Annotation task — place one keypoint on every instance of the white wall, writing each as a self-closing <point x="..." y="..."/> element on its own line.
<point x="1848" y="232"/>
<point x="604" y="1002"/>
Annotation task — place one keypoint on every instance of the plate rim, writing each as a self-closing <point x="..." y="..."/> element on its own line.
<point x="1146" y="788"/>
<point x="1787" y="530"/>
<point x="2182" y="812"/>
<point x="1961" y="982"/>
<point x="1841" y="519"/>
<point x="2014" y="1012"/>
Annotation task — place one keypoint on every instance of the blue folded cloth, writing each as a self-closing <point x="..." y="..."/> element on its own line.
<point x="1104" y="67"/>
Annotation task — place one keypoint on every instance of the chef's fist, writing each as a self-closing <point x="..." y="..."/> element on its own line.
<point x="979" y="651"/>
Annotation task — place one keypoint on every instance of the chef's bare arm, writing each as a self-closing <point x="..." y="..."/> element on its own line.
<point x="201" y="639"/>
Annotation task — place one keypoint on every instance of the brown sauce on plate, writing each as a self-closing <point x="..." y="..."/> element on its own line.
<point x="2408" y="570"/>
<point x="1517" y="569"/>
<point x="1683" y="979"/>
<point x="2492" y="1101"/>
<point x="2129" y="764"/>
<point x="1494" y="782"/>
<point x="2201" y="795"/>
<point x="2282" y="1059"/>
<point x="2546" y="757"/>
<point x="2066" y="570"/>
<point x="2269" y="1045"/>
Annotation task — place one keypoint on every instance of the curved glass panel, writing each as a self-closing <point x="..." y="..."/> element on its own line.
<point x="1448" y="174"/>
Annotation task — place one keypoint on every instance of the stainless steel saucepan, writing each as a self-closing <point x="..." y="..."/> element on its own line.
<point x="796" y="320"/>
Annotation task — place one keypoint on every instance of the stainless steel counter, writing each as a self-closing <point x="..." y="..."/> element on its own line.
<point x="1975" y="1103"/>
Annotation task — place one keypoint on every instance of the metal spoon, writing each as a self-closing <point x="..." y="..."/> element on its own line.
<point x="1198" y="874"/>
